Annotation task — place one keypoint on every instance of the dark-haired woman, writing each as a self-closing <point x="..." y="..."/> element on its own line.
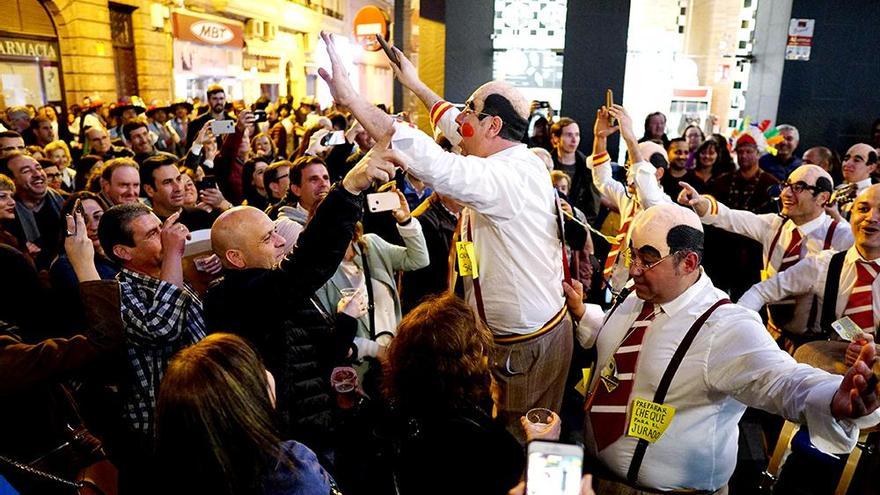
<point x="252" y="182"/>
<point x="61" y="273"/>
<point x="216" y="431"/>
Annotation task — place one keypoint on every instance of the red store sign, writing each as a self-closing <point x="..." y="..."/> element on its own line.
<point x="208" y="31"/>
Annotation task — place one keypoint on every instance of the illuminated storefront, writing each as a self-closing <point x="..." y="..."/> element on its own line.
<point x="30" y="67"/>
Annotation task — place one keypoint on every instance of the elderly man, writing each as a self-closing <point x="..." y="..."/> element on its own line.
<point x="509" y="251"/>
<point x="37" y="206"/>
<point x="676" y="360"/>
<point x="99" y="144"/>
<point x="784" y="161"/>
<point x="268" y="299"/>
<point x="802" y="228"/>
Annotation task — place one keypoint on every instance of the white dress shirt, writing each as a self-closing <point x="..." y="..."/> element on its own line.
<point x="648" y="193"/>
<point x="732" y="363"/>
<point x="511" y="211"/>
<point x="808" y="277"/>
<point x="763" y="228"/>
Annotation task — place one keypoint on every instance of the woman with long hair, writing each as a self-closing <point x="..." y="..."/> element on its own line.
<point x="263" y="147"/>
<point x="252" y="182"/>
<point x="711" y="160"/>
<point x="216" y="431"/>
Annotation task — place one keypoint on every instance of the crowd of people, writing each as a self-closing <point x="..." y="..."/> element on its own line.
<point x="201" y="297"/>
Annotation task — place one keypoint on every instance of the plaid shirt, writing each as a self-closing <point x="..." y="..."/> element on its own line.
<point x="160" y="319"/>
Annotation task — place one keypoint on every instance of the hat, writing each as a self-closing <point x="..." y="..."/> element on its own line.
<point x="181" y="103"/>
<point x="128" y="102"/>
<point x="156" y="105"/>
<point x="759" y="135"/>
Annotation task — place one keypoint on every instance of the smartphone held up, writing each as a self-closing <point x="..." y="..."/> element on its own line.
<point x="553" y="468"/>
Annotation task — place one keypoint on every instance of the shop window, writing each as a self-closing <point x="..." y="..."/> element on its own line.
<point x="528" y="47"/>
<point x="123" y="50"/>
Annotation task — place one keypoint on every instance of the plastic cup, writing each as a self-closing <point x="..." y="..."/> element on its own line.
<point x="344" y="379"/>
<point x="539" y="416"/>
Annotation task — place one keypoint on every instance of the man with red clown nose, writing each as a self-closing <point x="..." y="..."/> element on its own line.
<point x="508" y="250"/>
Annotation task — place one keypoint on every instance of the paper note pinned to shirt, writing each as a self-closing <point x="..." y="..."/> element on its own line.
<point x="582" y="385"/>
<point x="467" y="259"/>
<point x="649" y="420"/>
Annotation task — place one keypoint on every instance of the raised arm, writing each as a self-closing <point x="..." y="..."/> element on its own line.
<point x="376" y="122"/>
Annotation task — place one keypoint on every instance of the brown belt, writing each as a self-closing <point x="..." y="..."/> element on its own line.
<point x="550" y="325"/>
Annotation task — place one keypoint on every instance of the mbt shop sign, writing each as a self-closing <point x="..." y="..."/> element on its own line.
<point x="208" y="31"/>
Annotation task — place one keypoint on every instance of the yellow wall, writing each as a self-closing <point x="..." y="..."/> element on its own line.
<point x="431" y="62"/>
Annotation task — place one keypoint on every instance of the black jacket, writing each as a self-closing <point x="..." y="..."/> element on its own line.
<point x="583" y="193"/>
<point x="276" y="311"/>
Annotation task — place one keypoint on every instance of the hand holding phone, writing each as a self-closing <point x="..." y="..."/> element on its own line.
<point x="553" y="468"/>
<point x="392" y="56"/>
<point x="383" y="201"/>
<point x="219" y="127"/>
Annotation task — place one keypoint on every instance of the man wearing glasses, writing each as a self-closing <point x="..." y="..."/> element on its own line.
<point x="508" y="251"/>
<point x="801" y="228"/>
<point x="678" y="364"/>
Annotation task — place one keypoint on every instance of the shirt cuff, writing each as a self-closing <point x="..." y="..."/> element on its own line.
<point x="196" y="149"/>
<point x="208" y="164"/>
<point x="411" y="229"/>
<point x="366" y="348"/>
<point x="598" y="159"/>
<point x="828" y="434"/>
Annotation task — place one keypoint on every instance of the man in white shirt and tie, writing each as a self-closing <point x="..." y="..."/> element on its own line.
<point x="854" y="285"/>
<point x="802" y="227"/>
<point x="653" y="424"/>
<point x="510" y="254"/>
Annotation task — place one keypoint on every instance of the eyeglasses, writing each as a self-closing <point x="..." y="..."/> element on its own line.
<point x="798" y="187"/>
<point x="469" y="109"/>
<point x="53" y="176"/>
<point x="631" y="259"/>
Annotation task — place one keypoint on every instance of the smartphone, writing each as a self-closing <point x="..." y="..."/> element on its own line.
<point x="609" y="101"/>
<point x="333" y="138"/>
<point x="78" y="208"/>
<point x="383" y="201"/>
<point x="207" y="182"/>
<point x="392" y="55"/>
<point x="219" y="127"/>
<point x="260" y="116"/>
<point x="553" y="468"/>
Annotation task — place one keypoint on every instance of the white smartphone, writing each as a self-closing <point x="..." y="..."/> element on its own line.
<point x="219" y="127"/>
<point x="383" y="201"/>
<point x="553" y="468"/>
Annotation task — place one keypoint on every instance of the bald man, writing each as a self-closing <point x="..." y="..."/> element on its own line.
<point x="858" y="164"/>
<point x="509" y="226"/>
<point x="854" y="274"/>
<point x="268" y="299"/>
<point x="801" y="228"/>
<point x="666" y="424"/>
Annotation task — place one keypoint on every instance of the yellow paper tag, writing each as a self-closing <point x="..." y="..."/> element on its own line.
<point x="467" y="259"/>
<point x="649" y="420"/>
<point x="582" y="386"/>
<point x="765" y="274"/>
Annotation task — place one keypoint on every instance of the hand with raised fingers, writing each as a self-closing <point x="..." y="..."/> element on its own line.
<point x="378" y="165"/>
<point x="339" y="82"/>
<point x="857" y="395"/>
<point x="80" y="249"/>
<point x="174" y="236"/>
<point x="601" y="128"/>
<point x="690" y="197"/>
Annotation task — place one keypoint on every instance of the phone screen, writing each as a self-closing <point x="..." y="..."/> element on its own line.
<point x="553" y="473"/>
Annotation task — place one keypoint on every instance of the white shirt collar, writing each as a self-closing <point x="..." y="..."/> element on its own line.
<point x="863" y="184"/>
<point x="852" y="255"/>
<point x="684" y="299"/>
<point x="811" y="225"/>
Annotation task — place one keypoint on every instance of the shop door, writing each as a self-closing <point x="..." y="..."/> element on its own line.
<point x="123" y="50"/>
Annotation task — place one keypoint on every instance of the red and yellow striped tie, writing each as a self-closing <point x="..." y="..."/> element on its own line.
<point x="621" y="238"/>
